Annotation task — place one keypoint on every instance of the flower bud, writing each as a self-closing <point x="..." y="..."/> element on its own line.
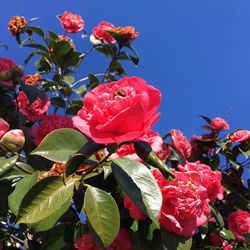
<point x="13" y="140"/>
<point x="6" y="75"/>
<point x="18" y="70"/>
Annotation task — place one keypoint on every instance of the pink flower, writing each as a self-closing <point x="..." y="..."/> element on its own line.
<point x="134" y="211"/>
<point x="211" y="180"/>
<point x="219" y="123"/>
<point x="100" y="32"/>
<point x="128" y="150"/>
<point x="121" y="242"/>
<point x="48" y="124"/>
<point x="118" y="111"/>
<point x="217" y="241"/>
<point x="34" y="111"/>
<point x="239" y="223"/>
<point x="240" y="135"/>
<point x="181" y="144"/>
<point x="4" y="127"/>
<point x="72" y="23"/>
<point x="6" y="64"/>
<point x="226" y="245"/>
<point x="185" y="203"/>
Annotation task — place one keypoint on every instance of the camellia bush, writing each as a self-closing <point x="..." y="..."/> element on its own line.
<point x="81" y="167"/>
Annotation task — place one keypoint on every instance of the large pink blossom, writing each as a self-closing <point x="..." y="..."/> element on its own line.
<point x="240" y="135"/>
<point x="211" y="180"/>
<point x="72" y="23"/>
<point x="185" y="203"/>
<point x="239" y="223"/>
<point x="34" y="111"/>
<point x="100" y="32"/>
<point x="219" y="123"/>
<point x="121" y="242"/>
<point x="48" y="124"/>
<point x="6" y="64"/>
<point x="181" y="144"/>
<point x="118" y="111"/>
<point x="4" y="127"/>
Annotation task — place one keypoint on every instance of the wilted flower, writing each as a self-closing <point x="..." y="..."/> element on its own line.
<point x="17" y="24"/>
<point x="126" y="34"/>
<point x="32" y="79"/>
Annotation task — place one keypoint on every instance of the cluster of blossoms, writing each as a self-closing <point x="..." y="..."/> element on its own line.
<point x="122" y="113"/>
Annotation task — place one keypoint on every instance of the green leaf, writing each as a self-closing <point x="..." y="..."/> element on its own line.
<point x="93" y="80"/>
<point x="37" y="30"/>
<point x="72" y="59"/>
<point x="44" y="198"/>
<point x="69" y="79"/>
<point x="226" y="234"/>
<point x="50" y="221"/>
<point x="60" y="144"/>
<point x="217" y="216"/>
<point x="57" y="101"/>
<point x="140" y="185"/>
<point x="247" y="237"/>
<point x="125" y="56"/>
<point x="175" y="242"/>
<point x="22" y="187"/>
<point x="102" y="213"/>
<point x="61" y="48"/>
<point x="53" y="35"/>
<point x="81" y="90"/>
<point x="208" y="120"/>
<point x="7" y="163"/>
<point x="36" y="46"/>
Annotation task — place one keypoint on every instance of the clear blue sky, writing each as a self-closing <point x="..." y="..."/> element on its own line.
<point x="197" y="52"/>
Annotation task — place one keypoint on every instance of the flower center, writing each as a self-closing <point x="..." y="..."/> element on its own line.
<point x="120" y="92"/>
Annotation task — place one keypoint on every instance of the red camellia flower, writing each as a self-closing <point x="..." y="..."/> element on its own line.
<point x="48" y="124"/>
<point x="185" y="203"/>
<point x="4" y="127"/>
<point x="121" y="242"/>
<point x="6" y="64"/>
<point x="72" y="23"/>
<point x="34" y="111"/>
<point x="211" y="180"/>
<point x="100" y="32"/>
<point x="134" y="211"/>
<point x="217" y="241"/>
<point x="219" y="123"/>
<point x="118" y="111"/>
<point x="128" y="150"/>
<point x="181" y="144"/>
<point x="240" y="135"/>
<point x="239" y="223"/>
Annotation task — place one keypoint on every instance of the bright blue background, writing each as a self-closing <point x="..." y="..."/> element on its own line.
<point x="197" y="52"/>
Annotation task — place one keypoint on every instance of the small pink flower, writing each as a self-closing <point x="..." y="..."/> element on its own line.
<point x="240" y="136"/>
<point x="118" y="111"/>
<point x="226" y="245"/>
<point x="211" y="180"/>
<point x="48" y="124"/>
<point x="181" y="144"/>
<point x="219" y="123"/>
<point x="6" y="64"/>
<point x="4" y="127"/>
<point x="72" y="23"/>
<point x="121" y="242"/>
<point x="185" y="203"/>
<point x="100" y="32"/>
<point x="239" y="223"/>
<point x="34" y="111"/>
<point x="134" y="211"/>
<point x="217" y="241"/>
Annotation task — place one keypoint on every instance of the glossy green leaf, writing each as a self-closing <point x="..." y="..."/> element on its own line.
<point x="7" y="163"/>
<point x="140" y="185"/>
<point x="50" y="221"/>
<point x="44" y="198"/>
<point x="102" y="213"/>
<point x="61" y="48"/>
<point x="37" y="30"/>
<point x="175" y="242"/>
<point x="60" y="144"/>
<point x="36" y="46"/>
<point x="57" y="101"/>
<point x="22" y="187"/>
<point x="69" y="79"/>
<point x="216" y="214"/>
<point x="226" y="234"/>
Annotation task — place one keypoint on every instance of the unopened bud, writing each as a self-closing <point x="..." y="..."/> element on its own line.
<point x="18" y="70"/>
<point x="6" y="75"/>
<point x="13" y="140"/>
